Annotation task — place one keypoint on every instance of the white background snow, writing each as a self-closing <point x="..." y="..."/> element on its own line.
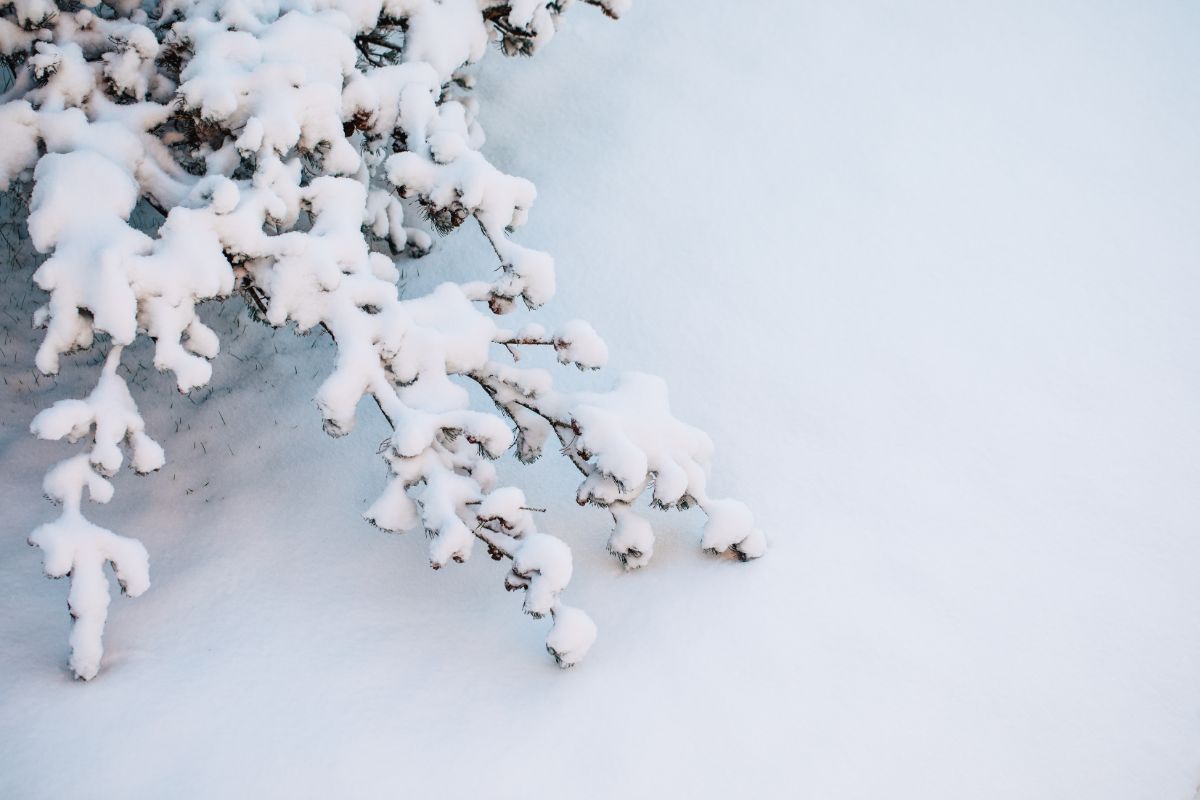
<point x="927" y="273"/>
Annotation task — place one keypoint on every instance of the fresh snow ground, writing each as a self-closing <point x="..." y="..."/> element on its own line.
<point x="927" y="274"/>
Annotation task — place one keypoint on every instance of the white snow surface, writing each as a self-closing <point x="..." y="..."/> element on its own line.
<point x="925" y="273"/>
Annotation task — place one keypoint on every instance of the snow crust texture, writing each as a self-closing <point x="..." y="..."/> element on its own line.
<point x="295" y="151"/>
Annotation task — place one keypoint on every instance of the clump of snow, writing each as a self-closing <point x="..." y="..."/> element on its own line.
<point x="18" y="131"/>
<point x="111" y="411"/>
<point x="632" y="539"/>
<point x="542" y="567"/>
<point x="73" y="546"/>
<point x="507" y="506"/>
<point x="576" y="342"/>
<point x="572" y="635"/>
<point x="629" y="440"/>
<point x="731" y="525"/>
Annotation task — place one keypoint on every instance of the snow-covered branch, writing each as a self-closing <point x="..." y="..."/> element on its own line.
<point x="294" y="150"/>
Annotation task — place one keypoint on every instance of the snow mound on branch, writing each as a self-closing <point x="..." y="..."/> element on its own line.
<point x="572" y="635"/>
<point x="576" y="342"/>
<point x="630" y="433"/>
<point x="73" y="546"/>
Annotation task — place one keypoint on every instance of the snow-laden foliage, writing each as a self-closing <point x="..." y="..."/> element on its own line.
<point x="292" y="148"/>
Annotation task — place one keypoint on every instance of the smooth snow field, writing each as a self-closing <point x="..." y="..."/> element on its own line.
<point x="926" y="272"/>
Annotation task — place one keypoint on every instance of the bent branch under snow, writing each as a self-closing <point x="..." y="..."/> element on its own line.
<point x="292" y="153"/>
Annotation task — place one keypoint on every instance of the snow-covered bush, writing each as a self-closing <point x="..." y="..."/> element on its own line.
<point x="292" y="147"/>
